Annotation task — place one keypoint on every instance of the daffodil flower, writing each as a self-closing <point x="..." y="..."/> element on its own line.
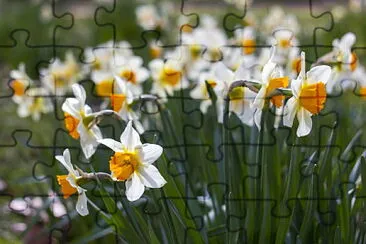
<point x="148" y="17"/>
<point x="240" y="97"/>
<point x="168" y="76"/>
<point x="69" y="183"/>
<point x="346" y="61"/>
<point x="59" y="76"/>
<point x="104" y="81"/>
<point x="271" y="79"/>
<point x="130" y="69"/>
<point x="79" y="121"/>
<point x="246" y="38"/>
<point x="201" y="92"/>
<point x="20" y="81"/>
<point x="132" y="162"/>
<point x="309" y="96"/>
<point x="33" y="103"/>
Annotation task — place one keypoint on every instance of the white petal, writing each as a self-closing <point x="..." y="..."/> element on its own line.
<point x="267" y="71"/>
<point x="220" y="107"/>
<point x="88" y="148"/>
<point x="151" y="177"/>
<point x="66" y="161"/>
<point x="260" y="98"/>
<point x="319" y="74"/>
<point x="204" y="106"/>
<point x="79" y="93"/>
<point x="242" y="73"/>
<point x="67" y="157"/>
<point x="296" y="87"/>
<point x="82" y="203"/>
<point x="23" y="110"/>
<point x="290" y="112"/>
<point x="247" y="114"/>
<point x="258" y="118"/>
<point x="223" y="73"/>
<point x="134" y="188"/>
<point x="305" y="122"/>
<point x="130" y="138"/>
<point x="347" y="41"/>
<point x="151" y="152"/>
<point x="87" y="141"/>
<point x="112" y="144"/>
<point x="72" y="107"/>
<point x="95" y="131"/>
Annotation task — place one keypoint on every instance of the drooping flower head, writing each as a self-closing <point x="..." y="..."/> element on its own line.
<point x="271" y="79"/>
<point x="69" y="183"/>
<point x="79" y="121"/>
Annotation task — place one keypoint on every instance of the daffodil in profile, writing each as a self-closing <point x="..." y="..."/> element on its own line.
<point x="69" y="183"/>
<point x="132" y="163"/>
<point x="309" y="97"/>
<point x="271" y="79"/>
<point x="80" y="121"/>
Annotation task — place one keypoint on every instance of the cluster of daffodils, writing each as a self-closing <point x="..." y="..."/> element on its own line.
<point x="232" y="75"/>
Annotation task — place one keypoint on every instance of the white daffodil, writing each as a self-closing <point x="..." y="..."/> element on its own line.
<point x="35" y="102"/>
<point x="148" y="17"/>
<point x="240" y="97"/>
<point x="200" y="91"/>
<point x="20" y="82"/>
<point x="121" y="101"/>
<point x="271" y="79"/>
<point x="101" y="57"/>
<point x="209" y="48"/>
<point x="69" y="183"/>
<point x="168" y="77"/>
<point x="346" y="60"/>
<point x="132" y="162"/>
<point x="246" y="38"/>
<point x="79" y="121"/>
<point x="309" y="96"/>
<point x="131" y="71"/>
<point x="60" y="76"/>
<point x="103" y="81"/>
<point x="277" y="19"/>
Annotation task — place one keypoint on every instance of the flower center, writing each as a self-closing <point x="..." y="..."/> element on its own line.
<point x="37" y="105"/>
<point x="66" y="188"/>
<point x="18" y="87"/>
<point x="284" y="43"/>
<point x="248" y="46"/>
<point x="273" y="85"/>
<point x="237" y="93"/>
<point x="129" y="76"/>
<point x="155" y="52"/>
<point x="105" y="88"/>
<point x="123" y="164"/>
<point x="71" y="125"/>
<point x="117" y="101"/>
<point x="313" y="97"/>
<point x="195" y="51"/>
<point x="170" y="76"/>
